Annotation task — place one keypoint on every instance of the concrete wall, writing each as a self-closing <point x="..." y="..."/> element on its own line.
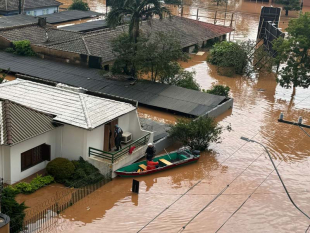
<point x="58" y="55"/>
<point x="220" y="108"/>
<point x="104" y="168"/>
<point x="15" y="155"/>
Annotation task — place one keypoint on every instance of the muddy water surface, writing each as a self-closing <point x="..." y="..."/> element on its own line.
<point x="234" y="182"/>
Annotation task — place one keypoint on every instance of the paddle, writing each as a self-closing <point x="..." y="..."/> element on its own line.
<point x="168" y="154"/>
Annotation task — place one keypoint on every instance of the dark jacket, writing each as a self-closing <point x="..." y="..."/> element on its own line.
<point x="150" y="152"/>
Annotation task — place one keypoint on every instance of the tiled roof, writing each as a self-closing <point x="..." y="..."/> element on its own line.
<point x="189" y="32"/>
<point x="68" y="104"/>
<point x="12" y="5"/>
<point x="17" y="20"/>
<point x="19" y="123"/>
<point x="39" y="35"/>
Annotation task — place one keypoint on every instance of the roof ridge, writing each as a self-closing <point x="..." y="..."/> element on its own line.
<point x="85" y="44"/>
<point x="84" y="107"/>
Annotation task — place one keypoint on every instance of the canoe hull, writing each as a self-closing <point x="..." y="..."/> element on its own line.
<point x="143" y="173"/>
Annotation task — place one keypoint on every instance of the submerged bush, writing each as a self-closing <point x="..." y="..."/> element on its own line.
<point x="219" y="90"/>
<point x="60" y="168"/>
<point x="230" y="54"/>
<point x="196" y="133"/>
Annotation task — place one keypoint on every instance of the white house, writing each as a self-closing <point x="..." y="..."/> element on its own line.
<point x="29" y="7"/>
<point x="40" y="122"/>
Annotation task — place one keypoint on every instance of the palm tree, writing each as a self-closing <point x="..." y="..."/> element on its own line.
<point x="137" y="9"/>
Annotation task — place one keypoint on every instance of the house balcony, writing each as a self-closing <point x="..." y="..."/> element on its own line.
<point x="111" y="161"/>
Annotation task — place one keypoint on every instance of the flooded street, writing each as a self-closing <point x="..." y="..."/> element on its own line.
<point x="234" y="182"/>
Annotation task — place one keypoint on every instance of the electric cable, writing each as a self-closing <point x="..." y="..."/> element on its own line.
<point x="190" y="188"/>
<point x="304" y="131"/>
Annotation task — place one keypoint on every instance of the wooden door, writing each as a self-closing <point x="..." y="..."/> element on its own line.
<point x="109" y="129"/>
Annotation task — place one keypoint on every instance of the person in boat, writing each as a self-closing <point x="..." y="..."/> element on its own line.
<point x="118" y="137"/>
<point x="150" y="151"/>
<point x="151" y="165"/>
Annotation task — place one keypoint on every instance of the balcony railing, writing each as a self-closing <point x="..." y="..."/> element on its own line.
<point x="113" y="156"/>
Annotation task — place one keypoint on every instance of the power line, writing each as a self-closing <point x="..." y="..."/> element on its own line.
<point x="219" y="194"/>
<point x="190" y="188"/>
<point x="245" y="200"/>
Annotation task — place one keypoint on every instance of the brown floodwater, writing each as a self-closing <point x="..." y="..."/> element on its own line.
<point x="254" y="201"/>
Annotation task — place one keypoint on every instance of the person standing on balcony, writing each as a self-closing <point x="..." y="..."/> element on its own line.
<point x="150" y="151"/>
<point x="118" y="137"/>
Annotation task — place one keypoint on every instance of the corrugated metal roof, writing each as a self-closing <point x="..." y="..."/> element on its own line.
<point x="68" y="105"/>
<point x="12" y="5"/>
<point x="148" y="93"/>
<point x="88" y="26"/>
<point x="70" y="15"/>
<point x="19" y="123"/>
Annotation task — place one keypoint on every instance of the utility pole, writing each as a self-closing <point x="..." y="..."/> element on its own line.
<point x="197" y="14"/>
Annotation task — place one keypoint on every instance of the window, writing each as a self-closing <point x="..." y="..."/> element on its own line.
<point x="31" y="13"/>
<point x="35" y="13"/>
<point x="35" y="156"/>
<point x="44" y="12"/>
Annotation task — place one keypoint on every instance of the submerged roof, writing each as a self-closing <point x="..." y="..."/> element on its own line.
<point x="19" y="123"/>
<point x="98" y="43"/>
<point x="88" y="26"/>
<point x="68" y="104"/>
<point x="151" y="94"/>
<point x="12" y="5"/>
<point x="70" y="15"/>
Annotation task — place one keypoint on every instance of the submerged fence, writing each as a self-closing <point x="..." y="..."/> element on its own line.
<point x="46" y="216"/>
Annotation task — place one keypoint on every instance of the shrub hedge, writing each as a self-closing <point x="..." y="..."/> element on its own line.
<point x="13" y="209"/>
<point x="61" y="169"/>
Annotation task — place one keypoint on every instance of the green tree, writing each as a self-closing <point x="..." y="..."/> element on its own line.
<point x="289" y="5"/>
<point x="230" y="55"/>
<point x="294" y="52"/>
<point x="160" y="54"/>
<point x="219" y="90"/>
<point x="186" y="79"/>
<point x="137" y="9"/>
<point x="79" y="5"/>
<point x="197" y="134"/>
<point x="128" y="61"/>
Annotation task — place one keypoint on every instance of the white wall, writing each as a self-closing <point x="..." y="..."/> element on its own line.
<point x="5" y="164"/>
<point x="16" y="151"/>
<point x="130" y="123"/>
<point x="95" y="139"/>
<point x="42" y="11"/>
<point x="73" y="142"/>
